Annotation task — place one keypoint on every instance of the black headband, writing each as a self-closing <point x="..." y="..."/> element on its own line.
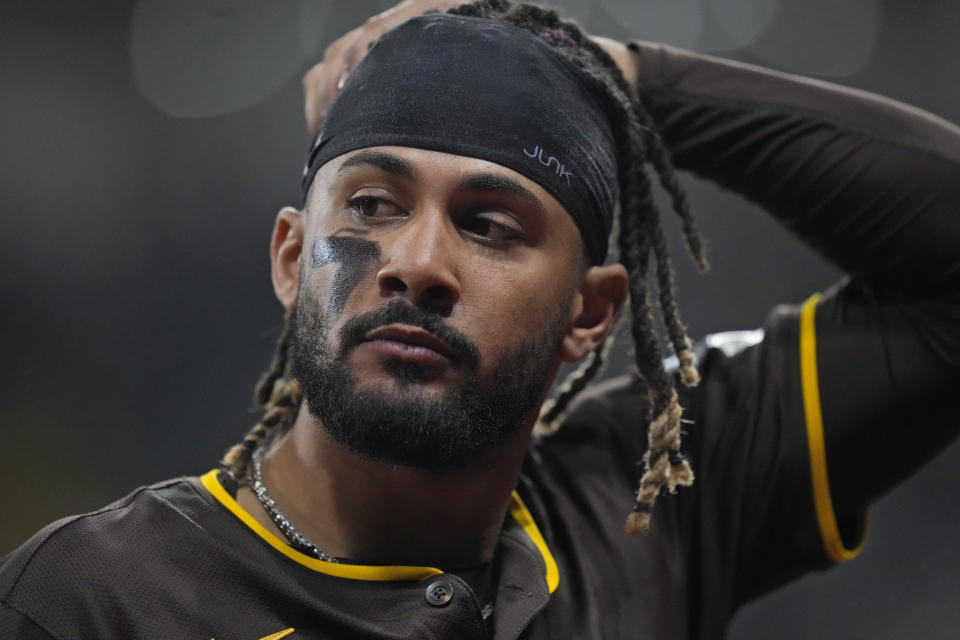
<point x="484" y="89"/>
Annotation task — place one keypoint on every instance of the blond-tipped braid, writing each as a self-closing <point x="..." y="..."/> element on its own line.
<point x="671" y="315"/>
<point x="281" y="410"/>
<point x="279" y="395"/>
<point x="553" y="410"/>
<point x="664" y="466"/>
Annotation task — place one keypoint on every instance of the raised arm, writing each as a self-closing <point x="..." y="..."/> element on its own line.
<point x="872" y="184"/>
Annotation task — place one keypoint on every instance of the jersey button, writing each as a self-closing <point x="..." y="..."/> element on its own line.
<point x="439" y="592"/>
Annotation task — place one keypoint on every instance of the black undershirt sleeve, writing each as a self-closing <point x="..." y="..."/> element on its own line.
<point x="874" y="186"/>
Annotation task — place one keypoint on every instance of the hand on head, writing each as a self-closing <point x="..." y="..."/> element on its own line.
<point x="322" y="82"/>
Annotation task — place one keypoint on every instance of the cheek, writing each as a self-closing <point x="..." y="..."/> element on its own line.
<point x="342" y="263"/>
<point x="524" y="303"/>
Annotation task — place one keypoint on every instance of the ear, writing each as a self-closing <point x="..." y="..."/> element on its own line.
<point x="286" y="246"/>
<point x="603" y="292"/>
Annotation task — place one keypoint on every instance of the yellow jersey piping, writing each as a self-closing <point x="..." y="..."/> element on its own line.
<point x="337" y="569"/>
<point x="519" y="512"/>
<point x="372" y="572"/>
<point x="823" y="502"/>
<point x="277" y="635"/>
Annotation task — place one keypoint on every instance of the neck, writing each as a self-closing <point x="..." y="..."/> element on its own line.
<point x="372" y="511"/>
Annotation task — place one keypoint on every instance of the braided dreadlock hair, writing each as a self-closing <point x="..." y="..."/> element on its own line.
<point x="641" y="245"/>
<point x="279" y="395"/>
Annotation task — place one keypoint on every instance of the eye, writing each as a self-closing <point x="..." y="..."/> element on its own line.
<point x="494" y="226"/>
<point x="367" y="208"/>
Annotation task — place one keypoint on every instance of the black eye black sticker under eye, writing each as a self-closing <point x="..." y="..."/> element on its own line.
<point x="356" y="257"/>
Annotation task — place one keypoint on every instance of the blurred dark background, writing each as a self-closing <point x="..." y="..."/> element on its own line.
<point x="146" y="147"/>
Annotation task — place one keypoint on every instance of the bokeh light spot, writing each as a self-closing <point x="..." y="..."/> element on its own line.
<point x="677" y="22"/>
<point x="203" y="59"/>
<point x="821" y="37"/>
<point x="733" y="24"/>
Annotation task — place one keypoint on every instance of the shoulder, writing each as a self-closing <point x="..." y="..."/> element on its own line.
<point x="87" y="556"/>
<point x="741" y="373"/>
<point x="83" y="537"/>
<point x="620" y="399"/>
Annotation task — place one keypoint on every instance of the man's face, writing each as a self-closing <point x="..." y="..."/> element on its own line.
<point x="435" y="292"/>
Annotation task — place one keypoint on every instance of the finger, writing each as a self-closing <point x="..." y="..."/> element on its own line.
<point x="626" y="59"/>
<point x="314" y="107"/>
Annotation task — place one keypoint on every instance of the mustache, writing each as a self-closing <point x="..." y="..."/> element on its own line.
<point x="399" y="312"/>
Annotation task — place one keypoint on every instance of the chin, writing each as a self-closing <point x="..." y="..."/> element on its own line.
<point x="438" y="418"/>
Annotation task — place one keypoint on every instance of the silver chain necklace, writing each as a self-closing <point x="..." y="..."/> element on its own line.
<point x="299" y="541"/>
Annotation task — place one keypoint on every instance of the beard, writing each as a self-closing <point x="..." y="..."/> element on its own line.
<point x="402" y="424"/>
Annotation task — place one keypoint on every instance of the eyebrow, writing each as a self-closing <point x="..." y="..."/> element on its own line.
<point x="486" y="182"/>
<point x="385" y="161"/>
<point x="481" y="182"/>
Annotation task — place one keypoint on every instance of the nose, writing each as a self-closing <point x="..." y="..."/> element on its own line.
<point x="420" y="264"/>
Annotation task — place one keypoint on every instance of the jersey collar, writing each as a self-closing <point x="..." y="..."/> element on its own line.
<point x="518" y="511"/>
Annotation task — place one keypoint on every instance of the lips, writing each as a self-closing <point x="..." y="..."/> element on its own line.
<point x="410" y="343"/>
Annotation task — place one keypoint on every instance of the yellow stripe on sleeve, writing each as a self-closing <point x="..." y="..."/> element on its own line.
<point x="826" y="518"/>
